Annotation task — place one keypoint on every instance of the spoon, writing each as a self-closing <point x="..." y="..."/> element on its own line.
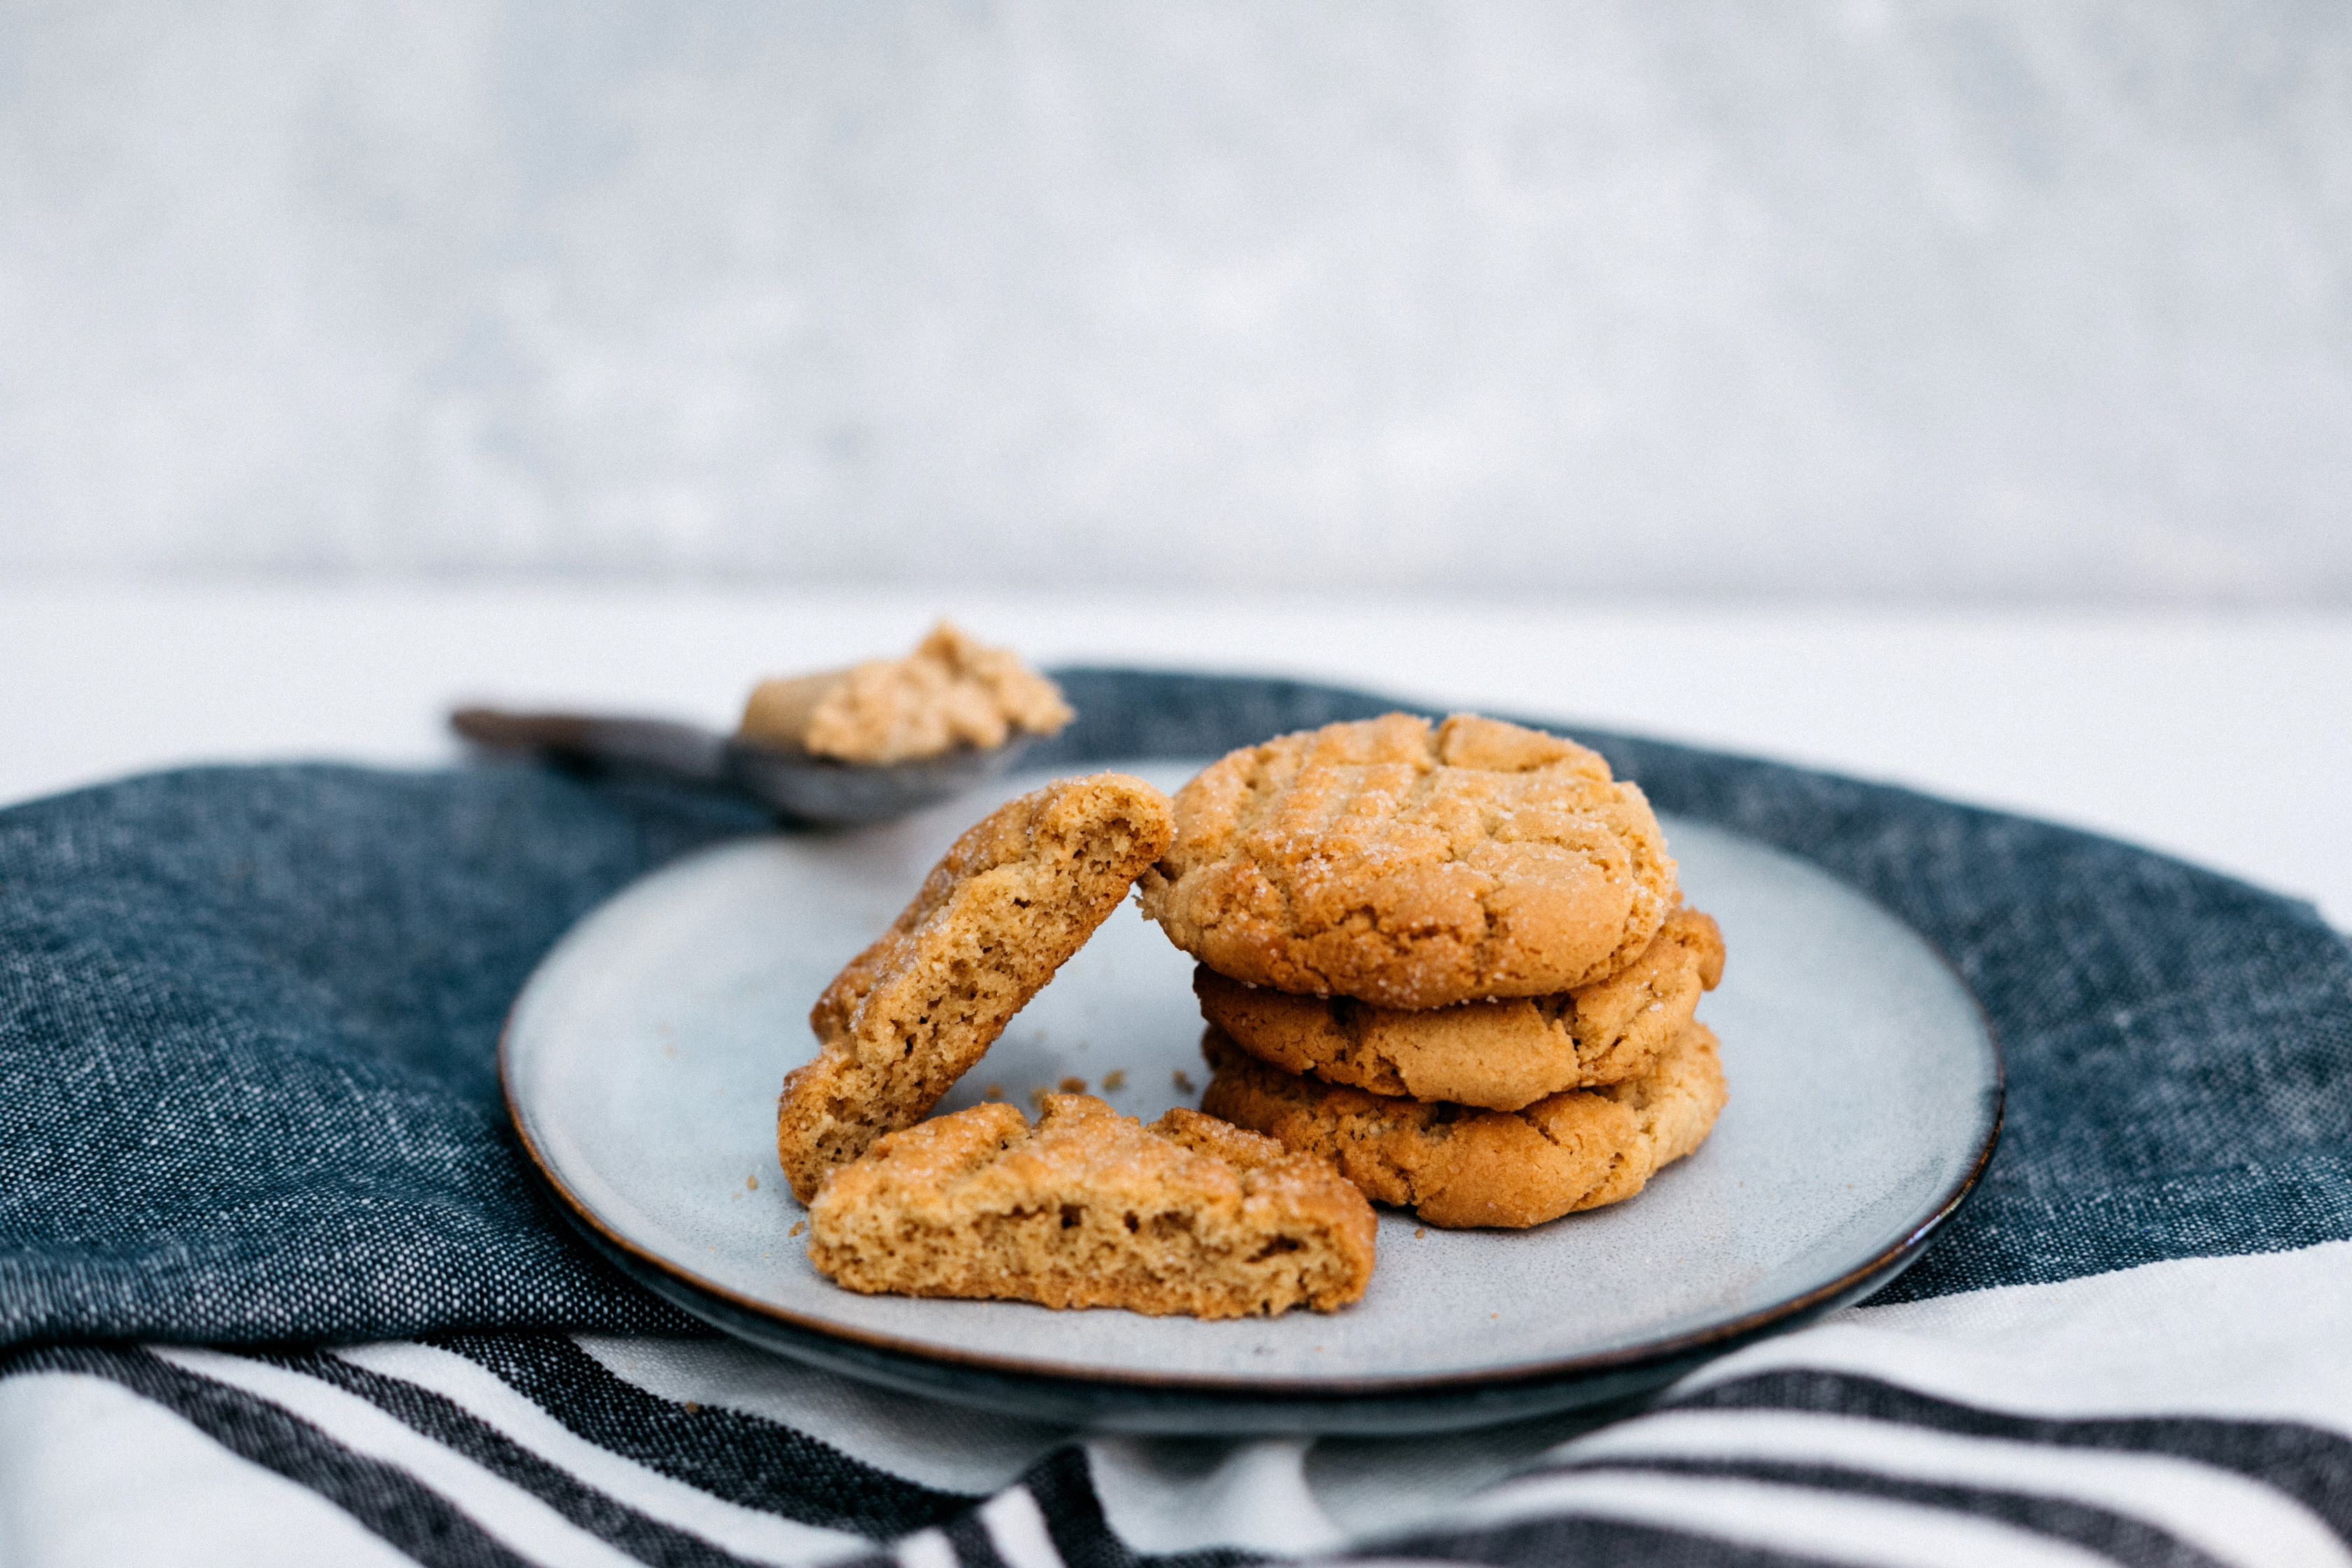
<point x="795" y="785"/>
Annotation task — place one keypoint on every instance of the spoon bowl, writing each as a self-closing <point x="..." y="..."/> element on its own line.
<point x="797" y="785"/>
<point x="825" y="790"/>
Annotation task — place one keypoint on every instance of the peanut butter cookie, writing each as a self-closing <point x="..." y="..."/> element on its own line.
<point x="1016" y="896"/>
<point x="1500" y="1055"/>
<point x="1412" y="866"/>
<point x="1091" y="1208"/>
<point x="1459" y="1166"/>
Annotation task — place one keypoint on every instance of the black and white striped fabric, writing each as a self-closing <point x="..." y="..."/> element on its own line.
<point x="2192" y="1413"/>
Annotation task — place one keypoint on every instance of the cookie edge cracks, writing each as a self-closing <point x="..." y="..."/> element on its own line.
<point x="1214" y="900"/>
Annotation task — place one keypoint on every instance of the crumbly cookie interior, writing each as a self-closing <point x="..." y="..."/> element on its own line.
<point x="1091" y="1208"/>
<point x="1011" y="902"/>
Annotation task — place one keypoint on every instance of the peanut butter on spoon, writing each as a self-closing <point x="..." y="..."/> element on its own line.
<point x="950" y="692"/>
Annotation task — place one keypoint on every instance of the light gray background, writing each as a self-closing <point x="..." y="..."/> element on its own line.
<point x="1968" y="299"/>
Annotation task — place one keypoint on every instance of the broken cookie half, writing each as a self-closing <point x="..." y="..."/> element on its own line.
<point x="1091" y="1208"/>
<point x="1014" y="898"/>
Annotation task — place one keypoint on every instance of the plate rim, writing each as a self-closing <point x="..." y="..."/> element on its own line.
<point x="1692" y="1344"/>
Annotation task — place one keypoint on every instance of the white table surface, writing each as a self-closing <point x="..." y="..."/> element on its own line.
<point x="2226" y="741"/>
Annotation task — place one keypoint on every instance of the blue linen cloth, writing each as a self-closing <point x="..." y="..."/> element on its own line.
<point x="248" y="1020"/>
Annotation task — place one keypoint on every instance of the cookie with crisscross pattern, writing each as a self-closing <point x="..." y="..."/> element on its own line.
<point x="1412" y="865"/>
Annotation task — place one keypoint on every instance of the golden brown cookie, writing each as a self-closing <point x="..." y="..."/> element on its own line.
<point x="1412" y="866"/>
<point x="1091" y="1208"/>
<point x="1459" y="1166"/>
<point x="1015" y="897"/>
<point x="1500" y="1055"/>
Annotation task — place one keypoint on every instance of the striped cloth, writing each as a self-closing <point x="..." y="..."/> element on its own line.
<point x="276" y="1287"/>
<point x="2189" y="1413"/>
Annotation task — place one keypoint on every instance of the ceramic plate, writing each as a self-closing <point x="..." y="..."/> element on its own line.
<point x="642" y="1062"/>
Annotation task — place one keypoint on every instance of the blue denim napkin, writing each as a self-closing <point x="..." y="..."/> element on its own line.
<point x="248" y="1019"/>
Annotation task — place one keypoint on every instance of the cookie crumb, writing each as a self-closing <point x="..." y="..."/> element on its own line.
<point x="692" y="1409"/>
<point x="1183" y="1080"/>
<point x="798" y="1227"/>
<point x="994" y="1092"/>
<point x="1037" y="1096"/>
<point x="752" y="1183"/>
<point x="1420" y="1230"/>
<point x="1074" y="1086"/>
<point x="1115" y="1079"/>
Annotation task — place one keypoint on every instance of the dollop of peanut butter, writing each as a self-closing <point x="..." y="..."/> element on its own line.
<point x="950" y="692"/>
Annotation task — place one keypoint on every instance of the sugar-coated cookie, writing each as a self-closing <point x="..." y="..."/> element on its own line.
<point x="1412" y="865"/>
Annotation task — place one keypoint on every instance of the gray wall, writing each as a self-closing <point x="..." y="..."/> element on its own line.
<point x="2006" y="300"/>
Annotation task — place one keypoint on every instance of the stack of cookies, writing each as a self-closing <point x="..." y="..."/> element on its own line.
<point x="1452" y="959"/>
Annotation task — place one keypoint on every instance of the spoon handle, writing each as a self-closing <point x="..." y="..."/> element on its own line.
<point x="660" y="745"/>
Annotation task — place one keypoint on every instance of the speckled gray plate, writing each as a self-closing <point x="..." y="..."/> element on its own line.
<point x="642" y="1062"/>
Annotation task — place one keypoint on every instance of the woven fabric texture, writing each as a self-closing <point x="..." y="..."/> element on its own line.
<point x="248" y="1020"/>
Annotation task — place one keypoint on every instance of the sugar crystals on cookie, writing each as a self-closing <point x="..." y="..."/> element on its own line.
<point x="1412" y="865"/>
